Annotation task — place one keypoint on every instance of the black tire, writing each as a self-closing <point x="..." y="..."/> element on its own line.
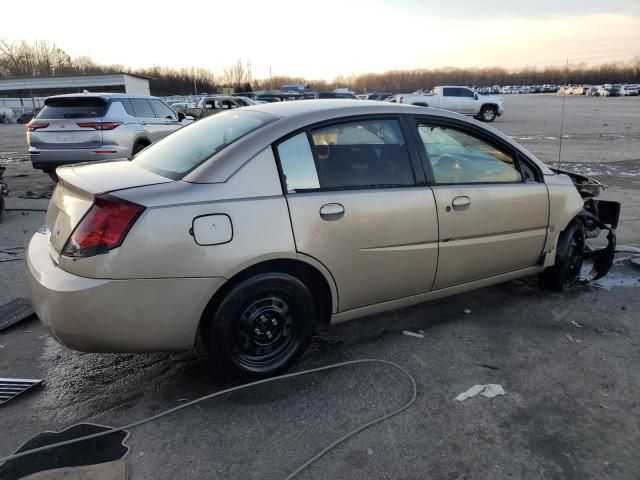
<point x="569" y="257"/>
<point x="138" y="147"/>
<point x="488" y="113"/>
<point x="52" y="175"/>
<point x="261" y="326"/>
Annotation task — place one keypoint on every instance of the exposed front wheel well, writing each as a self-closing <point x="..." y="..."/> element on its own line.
<point x="307" y="274"/>
<point x="139" y="145"/>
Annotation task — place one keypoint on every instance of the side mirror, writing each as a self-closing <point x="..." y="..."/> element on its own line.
<point x="181" y="116"/>
<point x="475" y="95"/>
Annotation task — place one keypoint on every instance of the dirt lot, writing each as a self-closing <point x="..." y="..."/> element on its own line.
<point x="569" y="363"/>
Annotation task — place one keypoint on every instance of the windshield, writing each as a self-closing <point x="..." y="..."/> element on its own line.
<point x="182" y="151"/>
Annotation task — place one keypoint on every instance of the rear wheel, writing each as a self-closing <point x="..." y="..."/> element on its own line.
<point x="488" y="113"/>
<point x="569" y="257"/>
<point x="261" y="326"/>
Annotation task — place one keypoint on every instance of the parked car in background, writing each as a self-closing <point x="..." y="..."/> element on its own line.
<point x="593" y="91"/>
<point x="579" y="90"/>
<point x="456" y="99"/>
<point x="525" y="89"/>
<point x="181" y="105"/>
<point x="359" y="208"/>
<point x="629" y="90"/>
<point x="83" y="127"/>
<point x="340" y="95"/>
<point x="614" y="91"/>
<point x="380" y="96"/>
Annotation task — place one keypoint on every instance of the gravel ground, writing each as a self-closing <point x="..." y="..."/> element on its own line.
<point x="569" y="363"/>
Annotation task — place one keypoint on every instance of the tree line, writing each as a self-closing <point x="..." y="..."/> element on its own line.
<point x="40" y="58"/>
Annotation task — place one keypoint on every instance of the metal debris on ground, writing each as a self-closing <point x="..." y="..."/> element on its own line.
<point x="412" y="334"/>
<point x="467" y="311"/>
<point x="12" y="387"/>
<point x="489" y="390"/>
<point x="15" y="311"/>
<point x="576" y="324"/>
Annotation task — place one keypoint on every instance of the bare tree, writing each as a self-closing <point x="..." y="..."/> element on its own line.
<point x="237" y="74"/>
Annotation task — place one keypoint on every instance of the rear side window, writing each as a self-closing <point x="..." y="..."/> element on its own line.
<point x="73" y="107"/>
<point x="351" y="155"/>
<point x="142" y="108"/>
<point x="177" y="154"/>
<point x="126" y="104"/>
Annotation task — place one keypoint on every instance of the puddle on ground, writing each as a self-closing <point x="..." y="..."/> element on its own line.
<point x="614" y="280"/>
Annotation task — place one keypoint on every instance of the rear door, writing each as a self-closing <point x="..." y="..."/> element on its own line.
<point x="68" y="123"/>
<point x="153" y="126"/>
<point x="359" y="205"/>
<point x="450" y="99"/>
<point x="168" y="119"/>
<point x="493" y="207"/>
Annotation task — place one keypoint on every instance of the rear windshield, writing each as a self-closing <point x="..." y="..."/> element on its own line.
<point x="73" y="107"/>
<point x="177" y="154"/>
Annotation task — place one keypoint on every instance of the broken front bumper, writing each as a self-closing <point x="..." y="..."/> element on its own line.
<point x="599" y="215"/>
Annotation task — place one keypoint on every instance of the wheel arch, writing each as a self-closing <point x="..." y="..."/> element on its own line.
<point x="308" y="270"/>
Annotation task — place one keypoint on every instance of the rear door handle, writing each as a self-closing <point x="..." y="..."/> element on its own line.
<point x="331" y="211"/>
<point x="461" y="202"/>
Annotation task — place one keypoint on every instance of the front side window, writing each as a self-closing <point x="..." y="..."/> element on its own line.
<point x="162" y="110"/>
<point x="458" y="157"/>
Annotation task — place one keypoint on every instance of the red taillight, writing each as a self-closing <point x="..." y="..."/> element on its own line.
<point x="104" y="227"/>
<point x="100" y="125"/>
<point x="36" y="126"/>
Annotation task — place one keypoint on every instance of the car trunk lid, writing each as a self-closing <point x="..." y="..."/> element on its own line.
<point x="76" y="190"/>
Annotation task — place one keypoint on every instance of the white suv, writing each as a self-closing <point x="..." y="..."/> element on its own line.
<point x="99" y="126"/>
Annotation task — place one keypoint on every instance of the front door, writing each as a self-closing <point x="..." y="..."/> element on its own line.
<point x="356" y="207"/>
<point x="493" y="208"/>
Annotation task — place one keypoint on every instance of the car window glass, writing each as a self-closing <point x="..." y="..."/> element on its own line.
<point x="72" y="107"/>
<point x="142" y="108"/>
<point x="186" y="148"/>
<point x="298" y="166"/>
<point x="448" y="92"/>
<point x="465" y="92"/>
<point x="362" y="154"/>
<point x="126" y="104"/>
<point x="458" y="157"/>
<point x="162" y="111"/>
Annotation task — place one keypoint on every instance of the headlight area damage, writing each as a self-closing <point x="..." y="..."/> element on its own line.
<point x="597" y="216"/>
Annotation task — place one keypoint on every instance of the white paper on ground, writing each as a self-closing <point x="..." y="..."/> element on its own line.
<point x="489" y="390"/>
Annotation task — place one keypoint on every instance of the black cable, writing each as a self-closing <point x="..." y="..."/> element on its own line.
<point x="242" y="387"/>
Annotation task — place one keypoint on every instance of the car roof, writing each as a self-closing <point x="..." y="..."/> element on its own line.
<point x="302" y="113"/>
<point x="105" y="95"/>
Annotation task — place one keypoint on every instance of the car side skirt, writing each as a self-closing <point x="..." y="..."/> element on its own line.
<point x="433" y="295"/>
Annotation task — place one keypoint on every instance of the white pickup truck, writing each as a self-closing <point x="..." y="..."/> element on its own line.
<point x="457" y="99"/>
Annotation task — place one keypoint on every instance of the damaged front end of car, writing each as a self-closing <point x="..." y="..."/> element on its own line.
<point x="598" y="216"/>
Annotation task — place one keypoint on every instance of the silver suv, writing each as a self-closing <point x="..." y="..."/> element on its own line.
<point x="99" y="126"/>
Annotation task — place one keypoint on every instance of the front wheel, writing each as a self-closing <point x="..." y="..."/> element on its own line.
<point x="488" y="114"/>
<point x="569" y="257"/>
<point x="261" y="326"/>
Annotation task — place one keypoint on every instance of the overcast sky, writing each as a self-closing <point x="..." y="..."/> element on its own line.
<point x="322" y="39"/>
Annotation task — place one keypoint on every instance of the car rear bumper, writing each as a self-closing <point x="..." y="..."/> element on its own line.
<point x="49" y="159"/>
<point x="101" y="315"/>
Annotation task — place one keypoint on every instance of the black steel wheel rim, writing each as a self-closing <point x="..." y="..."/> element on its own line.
<point x="265" y="332"/>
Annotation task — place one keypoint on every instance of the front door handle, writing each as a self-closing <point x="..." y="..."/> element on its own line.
<point x="331" y="211"/>
<point x="461" y="202"/>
